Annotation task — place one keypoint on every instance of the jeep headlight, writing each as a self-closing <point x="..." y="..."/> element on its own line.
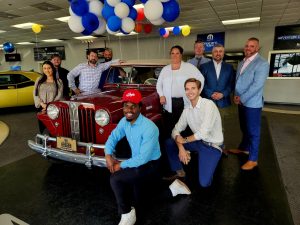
<point x="52" y="111"/>
<point x="101" y="117"/>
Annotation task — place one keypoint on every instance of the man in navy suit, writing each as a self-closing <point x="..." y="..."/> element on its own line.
<point x="251" y="76"/>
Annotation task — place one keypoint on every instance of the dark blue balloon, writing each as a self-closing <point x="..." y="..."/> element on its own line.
<point x="107" y="11"/>
<point x="87" y="32"/>
<point x="8" y="47"/>
<point x="123" y="32"/>
<point x="90" y="21"/>
<point x="132" y="13"/>
<point x="128" y="2"/>
<point x="80" y="7"/>
<point x="114" y="23"/>
<point x="143" y="1"/>
<point x="162" y="31"/>
<point x="176" y="30"/>
<point x="171" y="10"/>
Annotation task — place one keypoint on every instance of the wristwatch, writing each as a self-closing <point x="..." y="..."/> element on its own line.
<point x="186" y="140"/>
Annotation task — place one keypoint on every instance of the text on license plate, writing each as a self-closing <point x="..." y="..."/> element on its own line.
<point x="67" y="144"/>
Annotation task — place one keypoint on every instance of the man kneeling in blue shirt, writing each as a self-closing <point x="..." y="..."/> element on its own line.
<point x="128" y="175"/>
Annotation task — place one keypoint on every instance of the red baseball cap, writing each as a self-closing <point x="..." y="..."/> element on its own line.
<point x="132" y="95"/>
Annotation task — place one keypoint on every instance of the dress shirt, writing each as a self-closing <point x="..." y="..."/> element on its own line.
<point x="142" y="137"/>
<point x="89" y="76"/>
<point x="204" y="120"/>
<point x="194" y="61"/>
<point x="165" y="82"/>
<point x="247" y="61"/>
<point x="218" y="67"/>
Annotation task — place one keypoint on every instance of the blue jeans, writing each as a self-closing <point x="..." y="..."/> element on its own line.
<point x="250" y="120"/>
<point x="208" y="158"/>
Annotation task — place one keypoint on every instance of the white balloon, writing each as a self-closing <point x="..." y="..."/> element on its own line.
<point x="157" y="22"/>
<point x="113" y="2"/>
<point x="128" y="24"/>
<point x="95" y="6"/>
<point x="75" y="24"/>
<point x="153" y="9"/>
<point x="122" y="10"/>
<point x="102" y="27"/>
<point x="71" y="12"/>
<point x="111" y="32"/>
<point x="164" y="0"/>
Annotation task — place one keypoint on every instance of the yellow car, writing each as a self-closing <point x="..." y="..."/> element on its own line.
<point x="16" y="88"/>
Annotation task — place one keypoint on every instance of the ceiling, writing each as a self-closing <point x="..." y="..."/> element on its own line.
<point x="202" y="15"/>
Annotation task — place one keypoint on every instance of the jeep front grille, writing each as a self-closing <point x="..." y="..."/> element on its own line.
<point x="87" y="124"/>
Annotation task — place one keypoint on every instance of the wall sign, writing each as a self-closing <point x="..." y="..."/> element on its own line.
<point x="211" y="39"/>
<point x="44" y="53"/>
<point x="287" y="37"/>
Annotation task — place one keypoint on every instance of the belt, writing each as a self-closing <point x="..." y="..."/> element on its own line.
<point x="217" y="145"/>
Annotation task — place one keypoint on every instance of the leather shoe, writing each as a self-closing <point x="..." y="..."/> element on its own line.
<point x="249" y="165"/>
<point x="238" y="151"/>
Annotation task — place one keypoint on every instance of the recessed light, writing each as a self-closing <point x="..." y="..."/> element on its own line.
<point x="138" y="6"/>
<point x="52" y="40"/>
<point x="24" y="43"/>
<point x="2" y="31"/>
<point x="84" y="37"/>
<point x="63" y="19"/>
<point x="121" y="34"/>
<point x="244" y="20"/>
<point x="23" y="25"/>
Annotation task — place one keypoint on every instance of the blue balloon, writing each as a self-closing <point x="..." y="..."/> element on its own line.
<point x="8" y="47"/>
<point x="128" y="2"/>
<point x="80" y="7"/>
<point x="122" y="31"/>
<point x="108" y="11"/>
<point x="114" y="23"/>
<point x="176" y="30"/>
<point x="162" y="31"/>
<point x="171" y="10"/>
<point x="87" y="32"/>
<point x="143" y="1"/>
<point x="132" y="13"/>
<point x="90" y="22"/>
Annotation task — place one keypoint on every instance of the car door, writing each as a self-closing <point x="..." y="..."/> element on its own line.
<point x="8" y="91"/>
<point x="25" y="88"/>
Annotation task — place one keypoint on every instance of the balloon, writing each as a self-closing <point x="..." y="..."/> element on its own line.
<point x="75" y="24"/>
<point x="166" y="34"/>
<point x="159" y="21"/>
<point x="114" y="23"/>
<point x="176" y="30"/>
<point x="102" y="27"/>
<point x="80" y="7"/>
<point x="36" y="28"/>
<point x="113" y="2"/>
<point x="121" y="10"/>
<point x="128" y="2"/>
<point x="87" y="32"/>
<point x="164" y="0"/>
<point x="8" y="47"/>
<point x="140" y="14"/>
<point x="138" y="27"/>
<point x="107" y="11"/>
<point x="111" y="32"/>
<point x="147" y="28"/>
<point x="162" y="31"/>
<point x="153" y="9"/>
<point x="95" y="7"/>
<point x="143" y="1"/>
<point x="71" y="12"/>
<point x="186" y="30"/>
<point x="90" y="22"/>
<point x="171" y="11"/>
<point x="127" y="25"/>
<point x="132" y="13"/>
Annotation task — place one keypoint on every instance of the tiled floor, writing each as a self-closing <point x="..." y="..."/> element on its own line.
<point x="42" y="193"/>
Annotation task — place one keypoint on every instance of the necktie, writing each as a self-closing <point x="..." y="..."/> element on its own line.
<point x="198" y="62"/>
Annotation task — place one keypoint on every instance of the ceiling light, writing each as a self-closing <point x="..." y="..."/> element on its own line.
<point x="24" y="43"/>
<point x="238" y="21"/>
<point x="84" y="37"/>
<point x="63" y="19"/>
<point x="2" y="31"/>
<point x="121" y="34"/>
<point x="52" y="40"/>
<point x="138" y="6"/>
<point x="23" y="25"/>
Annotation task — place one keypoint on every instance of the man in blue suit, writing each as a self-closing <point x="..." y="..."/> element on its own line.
<point x="251" y="76"/>
<point x="219" y="78"/>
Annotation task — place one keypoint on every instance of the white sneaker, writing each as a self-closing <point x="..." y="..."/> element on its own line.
<point x="178" y="187"/>
<point x="128" y="218"/>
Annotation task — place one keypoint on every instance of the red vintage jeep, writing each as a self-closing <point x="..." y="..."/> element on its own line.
<point x="78" y="129"/>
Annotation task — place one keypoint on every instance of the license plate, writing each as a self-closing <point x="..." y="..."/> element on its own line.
<point x="67" y="144"/>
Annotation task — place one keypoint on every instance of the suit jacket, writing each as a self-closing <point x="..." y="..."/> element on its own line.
<point x="250" y="83"/>
<point x="194" y="61"/>
<point x="224" y="84"/>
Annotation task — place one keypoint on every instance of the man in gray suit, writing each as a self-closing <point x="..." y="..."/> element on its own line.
<point x="251" y="76"/>
<point x="199" y="58"/>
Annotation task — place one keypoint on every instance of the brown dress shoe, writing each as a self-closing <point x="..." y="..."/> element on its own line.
<point x="238" y="151"/>
<point x="249" y="165"/>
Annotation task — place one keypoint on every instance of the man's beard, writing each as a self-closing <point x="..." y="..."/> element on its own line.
<point x="93" y="61"/>
<point x="107" y="59"/>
